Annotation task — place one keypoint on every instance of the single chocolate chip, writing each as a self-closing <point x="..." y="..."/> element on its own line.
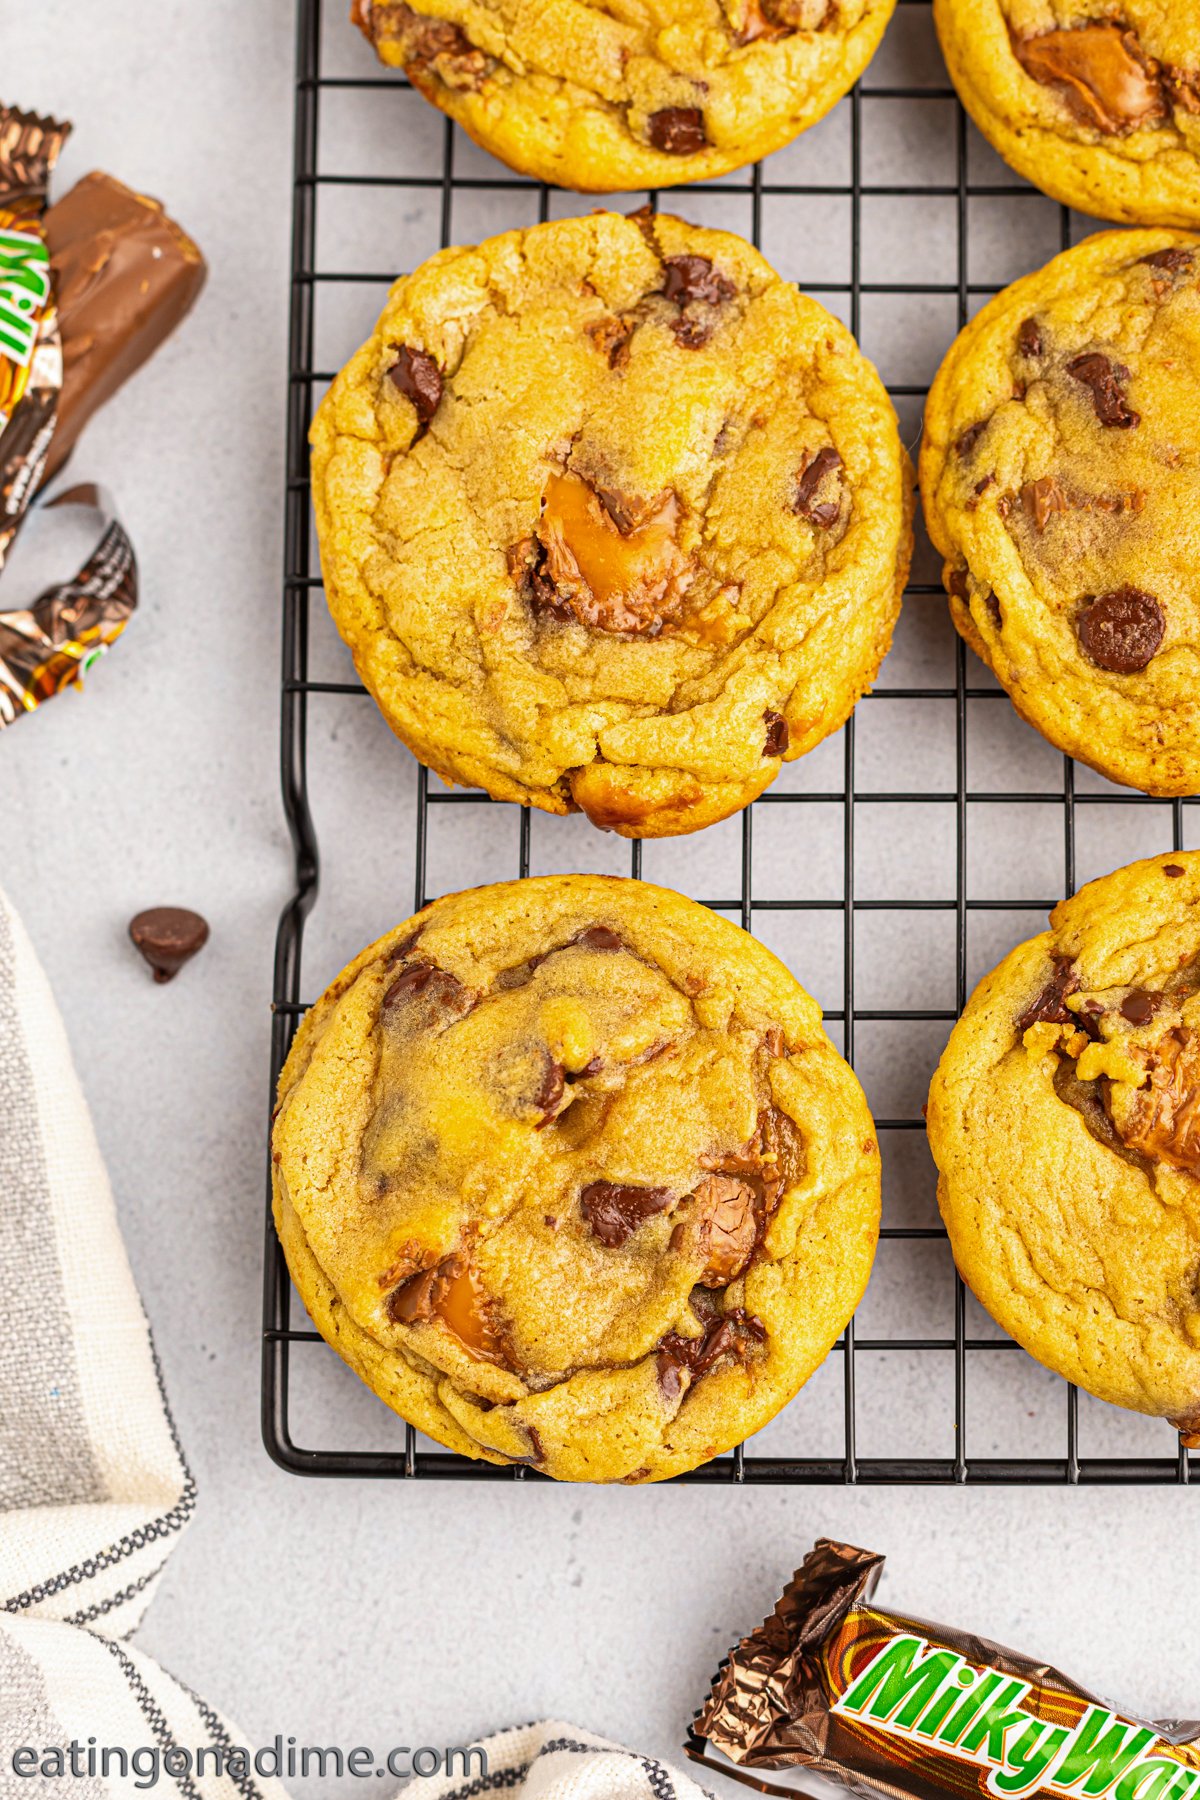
<point x="1029" y="338"/>
<point x="1050" y="1006"/>
<point x="970" y="437"/>
<point x="776" y="741"/>
<point x="1106" y="380"/>
<point x="1173" y="870"/>
<point x="679" y="130"/>
<point x="813" y="473"/>
<point x="419" y="379"/>
<point x="1139" y="1006"/>
<point x="1172" y="260"/>
<point x="168" y="936"/>
<point x="1122" y="631"/>
<point x="615" y="1209"/>
<point x="694" y="278"/>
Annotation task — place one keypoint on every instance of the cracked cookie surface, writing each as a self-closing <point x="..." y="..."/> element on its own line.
<point x="1064" y="1119"/>
<point x="1096" y="103"/>
<point x="639" y="94"/>
<point x="569" y="1173"/>
<point x="612" y="518"/>
<point x="1060" y="475"/>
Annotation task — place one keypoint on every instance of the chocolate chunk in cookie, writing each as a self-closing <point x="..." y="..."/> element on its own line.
<point x="816" y="471"/>
<point x="1122" y="631"/>
<point x="416" y="375"/>
<point x="775" y="742"/>
<point x="615" y="1209"/>
<point x="678" y="130"/>
<point x="1050" y="1006"/>
<point x="1106" y="380"/>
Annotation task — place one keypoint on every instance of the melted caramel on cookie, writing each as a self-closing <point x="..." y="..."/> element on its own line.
<point x="614" y="580"/>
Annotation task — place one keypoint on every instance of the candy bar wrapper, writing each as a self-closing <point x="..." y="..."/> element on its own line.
<point x="30" y="350"/>
<point x="886" y="1704"/>
<point x="49" y="645"/>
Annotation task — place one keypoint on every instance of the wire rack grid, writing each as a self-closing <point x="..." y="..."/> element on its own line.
<point x="945" y="711"/>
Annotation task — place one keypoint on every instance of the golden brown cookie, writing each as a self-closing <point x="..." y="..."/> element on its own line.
<point x="569" y="1173"/>
<point x="1098" y="104"/>
<point x="1065" y="1120"/>
<point x="610" y="99"/>
<point x="1060" y="474"/>
<point x="612" y="518"/>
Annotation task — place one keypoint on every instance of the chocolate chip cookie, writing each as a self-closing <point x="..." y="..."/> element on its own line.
<point x="570" y="1175"/>
<point x="612" y="518"/>
<point x="1061" y="479"/>
<point x="608" y="99"/>
<point x="1065" y="1120"/>
<point x="1096" y="103"/>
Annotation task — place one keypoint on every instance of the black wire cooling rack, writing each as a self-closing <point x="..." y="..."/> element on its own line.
<point x="285" y="1336"/>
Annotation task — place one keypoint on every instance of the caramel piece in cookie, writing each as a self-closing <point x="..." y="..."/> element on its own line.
<point x="1096" y="104"/>
<point x="611" y="101"/>
<point x="1065" y="1122"/>
<point x="612" y="518"/>
<point x="617" y="1285"/>
<point x="1060" y="472"/>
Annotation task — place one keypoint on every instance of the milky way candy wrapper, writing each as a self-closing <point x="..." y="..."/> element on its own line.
<point x="884" y="1704"/>
<point x="30" y="348"/>
<point x="50" y="644"/>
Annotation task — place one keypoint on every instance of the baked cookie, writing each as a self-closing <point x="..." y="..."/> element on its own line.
<point x="1065" y="1120"/>
<point x="570" y="1175"/>
<point x="611" y="99"/>
<point x="612" y="518"/>
<point x="1060" y="473"/>
<point x="1095" y="102"/>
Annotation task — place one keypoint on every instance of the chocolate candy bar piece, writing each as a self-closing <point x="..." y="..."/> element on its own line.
<point x="124" y="276"/>
<point x="889" y="1705"/>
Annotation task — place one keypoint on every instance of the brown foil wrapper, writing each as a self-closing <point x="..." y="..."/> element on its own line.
<point x="125" y="274"/>
<point x="30" y="351"/>
<point x="886" y="1704"/>
<point x="50" y="644"/>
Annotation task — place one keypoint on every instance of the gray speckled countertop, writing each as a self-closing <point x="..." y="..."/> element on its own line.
<point x="355" y="1612"/>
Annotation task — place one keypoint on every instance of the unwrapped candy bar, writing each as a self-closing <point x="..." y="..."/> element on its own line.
<point x="124" y="276"/>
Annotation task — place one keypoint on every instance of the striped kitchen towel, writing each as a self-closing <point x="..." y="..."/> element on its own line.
<point x="553" y="1761"/>
<point x="94" y="1489"/>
